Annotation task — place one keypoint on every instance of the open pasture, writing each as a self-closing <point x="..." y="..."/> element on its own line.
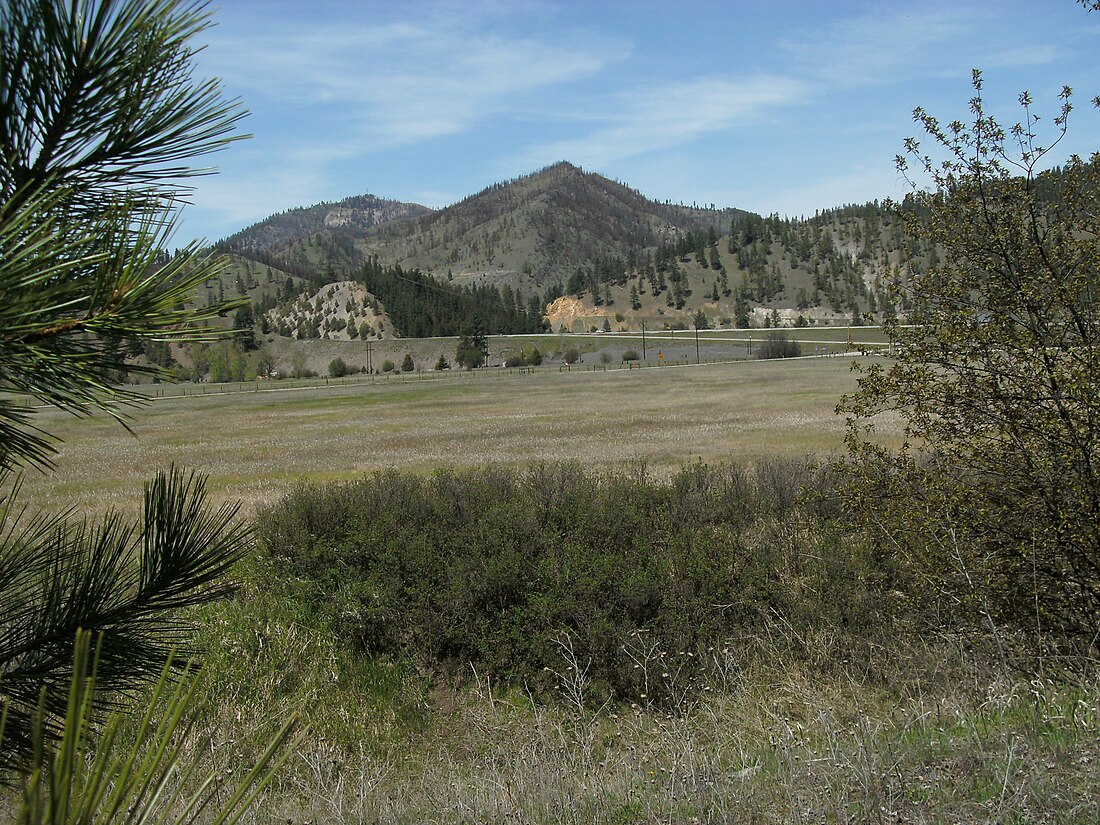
<point x="255" y="443"/>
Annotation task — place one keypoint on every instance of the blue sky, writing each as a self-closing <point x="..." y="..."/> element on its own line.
<point x="781" y="107"/>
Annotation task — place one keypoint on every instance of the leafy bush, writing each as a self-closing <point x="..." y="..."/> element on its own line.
<point x="571" y="355"/>
<point x="630" y="355"/>
<point x="497" y="566"/>
<point x="408" y="365"/>
<point x="387" y="365"/>
<point x="470" y="357"/>
<point x="996" y="381"/>
<point x="337" y="368"/>
<point x="515" y="361"/>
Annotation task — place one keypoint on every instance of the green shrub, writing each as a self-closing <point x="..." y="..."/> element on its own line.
<point x="494" y="566"/>
<point x="515" y="361"/>
<point x="571" y="355"/>
<point x="776" y="345"/>
<point x="630" y="355"/>
<point x="337" y="368"/>
<point x="532" y="355"/>
<point x="387" y="365"/>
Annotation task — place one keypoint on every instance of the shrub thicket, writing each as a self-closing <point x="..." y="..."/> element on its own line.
<point x="498" y="567"/>
<point x="777" y="345"/>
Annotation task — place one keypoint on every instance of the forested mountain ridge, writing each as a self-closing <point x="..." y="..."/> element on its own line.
<point x="354" y="216"/>
<point x="534" y="230"/>
<point x="527" y="232"/>
<point x="512" y="249"/>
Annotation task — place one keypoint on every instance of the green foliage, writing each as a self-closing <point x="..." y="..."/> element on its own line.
<point x="497" y="567"/>
<point x="996" y="494"/>
<point x="337" y="368"/>
<point x="226" y="361"/>
<point x="630" y="355"/>
<point x="407" y="365"/>
<point x="473" y="346"/>
<point x="421" y="307"/>
<point x="531" y="354"/>
<point x="388" y="366"/>
<point x="442" y="364"/>
<point x="243" y="323"/>
<point x="60" y="573"/>
<point x="571" y="355"/>
<point x="92" y="776"/>
<point x="100" y="114"/>
<point x="776" y="345"/>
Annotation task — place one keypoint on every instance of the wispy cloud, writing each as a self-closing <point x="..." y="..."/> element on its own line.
<point x="907" y="44"/>
<point x="667" y="115"/>
<point x="249" y="197"/>
<point x="376" y="86"/>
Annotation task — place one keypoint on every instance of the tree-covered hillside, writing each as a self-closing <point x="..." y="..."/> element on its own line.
<point x="627" y="260"/>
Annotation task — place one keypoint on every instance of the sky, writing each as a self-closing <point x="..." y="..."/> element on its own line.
<point x="775" y="107"/>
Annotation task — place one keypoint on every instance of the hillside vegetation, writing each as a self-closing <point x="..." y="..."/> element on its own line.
<point x="518" y="246"/>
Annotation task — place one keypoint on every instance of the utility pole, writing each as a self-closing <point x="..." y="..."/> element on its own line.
<point x="643" y="340"/>
<point x="370" y="363"/>
<point x="697" y="344"/>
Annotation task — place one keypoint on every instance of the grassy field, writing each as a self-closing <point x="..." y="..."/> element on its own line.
<point x="798" y="723"/>
<point x="255" y="440"/>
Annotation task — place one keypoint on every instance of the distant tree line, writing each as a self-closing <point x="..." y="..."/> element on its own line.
<point x="421" y="307"/>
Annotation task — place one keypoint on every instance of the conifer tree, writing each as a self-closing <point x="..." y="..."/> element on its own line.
<point x="100" y="117"/>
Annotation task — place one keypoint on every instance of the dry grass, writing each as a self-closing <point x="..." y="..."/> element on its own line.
<point x="948" y="742"/>
<point x="922" y="731"/>
<point x="254" y="444"/>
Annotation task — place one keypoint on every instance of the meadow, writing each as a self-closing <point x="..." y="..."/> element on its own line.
<point x="826" y="699"/>
<point x="255" y="440"/>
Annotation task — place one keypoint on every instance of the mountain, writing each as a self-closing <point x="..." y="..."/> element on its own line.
<point x="353" y="217"/>
<point x="507" y="253"/>
<point x="528" y="232"/>
<point x="538" y="229"/>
